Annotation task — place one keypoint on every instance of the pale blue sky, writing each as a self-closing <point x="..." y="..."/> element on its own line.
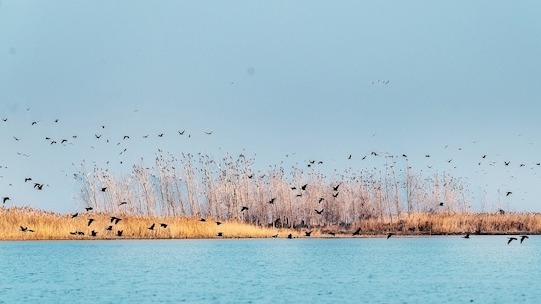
<point x="273" y="78"/>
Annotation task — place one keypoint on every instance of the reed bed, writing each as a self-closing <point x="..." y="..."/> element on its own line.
<point x="54" y="226"/>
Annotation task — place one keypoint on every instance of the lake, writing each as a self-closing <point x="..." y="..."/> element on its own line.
<point x="482" y="269"/>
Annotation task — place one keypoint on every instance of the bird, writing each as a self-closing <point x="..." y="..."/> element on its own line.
<point x="38" y="186"/>
<point x="5" y="198"/>
<point x="220" y="234"/>
<point x="441" y="204"/>
<point x="389" y="235"/>
<point x="181" y="133"/>
<point x="89" y="208"/>
<point x="115" y="219"/>
<point x="122" y="203"/>
<point x="522" y="237"/>
<point x="74" y="215"/>
<point x="332" y="233"/>
<point x="202" y="220"/>
<point x="93" y="233"/>
<point x="103" y="189"/>
<point x="336" y="188"/>
<point x="349" y="157"/>
<point x="357" y="232"/>
<point x="272" y="200"/>
<point x="289" y="236"/>
<point x="304" y="187"/>
<point x="160" y="135"/>
<point x="109" y="228"/>
<point x="208" y="133"/>
<point x="125" y="137"/>
<point x="119" y="232"/>
<point x="336" y="194"/>
<point x="321" y="199"/>
<point x="152" y="226"/>
<point x="275" y="236"/>
<point x="319" y="211"/>
<point x="467" y="236"/>
<point x="90" y="221"/>
<point x="97" y="136"/>
<point x="511" y="239"/>
<point x="508" y="193"/>
<point x="507" y="163"/>
<point x="27" y="179"/>
<point x="25" y="229"/>
<point x="307" y="233"/>
<point x="15" y="138"/>
<point x="163" y="225"/>
<point x="243" y="208"/>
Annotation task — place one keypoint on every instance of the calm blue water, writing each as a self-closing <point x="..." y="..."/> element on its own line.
<point x="483" y="269"/>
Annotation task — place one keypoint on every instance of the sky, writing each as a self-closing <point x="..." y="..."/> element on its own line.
<point x="309" y="79"/>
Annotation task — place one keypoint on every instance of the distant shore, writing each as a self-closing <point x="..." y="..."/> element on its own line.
<point x="18" y="223"/>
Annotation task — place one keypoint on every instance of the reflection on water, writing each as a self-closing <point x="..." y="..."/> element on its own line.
<point x="399" y="270"/>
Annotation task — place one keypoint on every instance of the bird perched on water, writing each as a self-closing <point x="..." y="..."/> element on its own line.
<point x="522" y="237"/>
<point x="336" y="188"/>
<point x="389" y="235"/>
<point x="511" y="239"/>
<point x="357" y="232"/>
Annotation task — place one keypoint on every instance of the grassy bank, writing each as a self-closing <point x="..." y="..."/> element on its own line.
<point x="43" y="225"/>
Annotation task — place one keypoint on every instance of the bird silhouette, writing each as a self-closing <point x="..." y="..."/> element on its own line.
<point x="319" y="211"/>
<point x="163" y="225"/>
<point x="202" y="220"/>
<point x="93" y="233"/>
<point x="208" y="133"/>
<point x="109" y="228"/>
<point x="522" y="237"/>
<point x="74" y="215"/>
<point x="103" y="189"/>
<point x="511" y="239"/>
<point x="181" y="133"/>
<point x="289" y="236"/>
<point x="507" y="163"/>
<point x="126" y="137"/>
<point x="336" y="188"/>
<point x="441" y="204"/>
<point x="122" y="203"/>
<point x="220" y="234"/>
<point x="115" y="219"/>
<point x="336" y="194"/>
<point x="389" y="235"/>
<point x="119" y="232"/>
<point x="357" y="232"/>
<point x="152" y="226"/>
<point x="27" y="179"/>
<point x="97" y="136"/>
<point x="508" y="193"/>
<point x="321" y="199"/>
<point x="89" y="208"/>
<point x="160" y="135"/>
<point x="25" y="229"/>
<point x="5" y="198"/>
<point x="90" y="221"/>
<point x="332" y="233"/>
<point x="304" y="187"/>
<point x="275" y="236"/>
<point x="218" y="223"/>
<point x="307" y="233"/>
<point x="272" y="200"/>
<point x="38" y="186"/>
<point x="467" y="236"/>
<point x="243" y="208"/>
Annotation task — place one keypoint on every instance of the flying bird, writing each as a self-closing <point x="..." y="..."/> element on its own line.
<point x="319" y="211"/>
<point x="511" y="239"/>
<point x="336" y="194"/>
<point x="93" y="233"/>
<point x="218" y="223"/>
<point x="74" y="215"/>
<point x="5" y="198"/>
<point x="304" y="187"/>
<point x="119" y="232"/>
<point x="122" y="203"/>
<point x="336" y="188"/>
<point x="357" y="232"/>
<point x="243" y="208"/>
<point x="27" y="179"/>
<point x="89" y="208"/>
<point x="163" y="225"/>
<point x="272" y="200"/>
<point x="220" y="234"/>
<point x="507" y="163"/>
<point x="115" y="219"/>
<point x="103" y="189"/>
<point x="152" y="226"/>
<point x="109" y="228"/>
<point x="90" y="221"/>
<point x="307" y="233"/>
<point x="389" y="235"/>
<point x="522" y="237"/>
<point x="38" y="186"/>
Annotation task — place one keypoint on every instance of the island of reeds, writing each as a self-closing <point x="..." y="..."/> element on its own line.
<point x="198" y="197"/>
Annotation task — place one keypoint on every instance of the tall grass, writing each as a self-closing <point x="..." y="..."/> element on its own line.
<point x="199" y="186"/>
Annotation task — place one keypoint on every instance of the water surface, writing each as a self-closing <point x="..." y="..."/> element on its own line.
<point x="482" y="269"/>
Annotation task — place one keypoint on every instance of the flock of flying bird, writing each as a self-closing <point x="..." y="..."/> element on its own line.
<point x="115" y="220"/>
